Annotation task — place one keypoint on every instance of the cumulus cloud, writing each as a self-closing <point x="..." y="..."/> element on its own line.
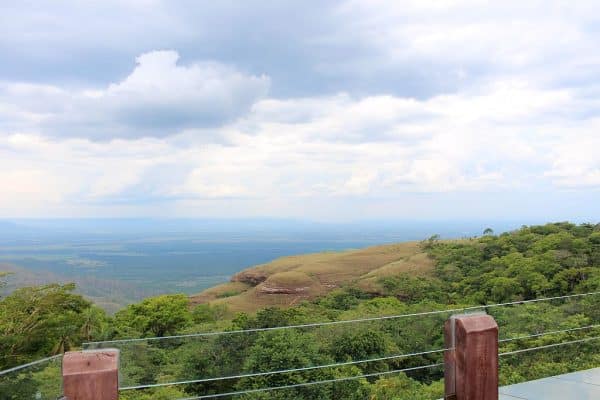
<point x="447" y="45"/>
<point x="412" y="48"/>
<point x="506" y="136"/>
<point x="159" y="98"/>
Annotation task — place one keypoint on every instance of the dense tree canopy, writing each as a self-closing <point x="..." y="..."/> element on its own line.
<point x="155" y="316"/>
<point x="40" y="321"/>
<point x="532" y="262"/>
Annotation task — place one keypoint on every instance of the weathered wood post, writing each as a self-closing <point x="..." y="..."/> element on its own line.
<point x="471" y="364"/>
<point x="91" y="375"/>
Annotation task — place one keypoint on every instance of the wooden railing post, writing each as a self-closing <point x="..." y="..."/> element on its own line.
<point x="471" y="366"/>
<point x="91" y="375"/>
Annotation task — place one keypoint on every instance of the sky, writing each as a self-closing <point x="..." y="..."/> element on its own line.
<point x="326" y="110"/>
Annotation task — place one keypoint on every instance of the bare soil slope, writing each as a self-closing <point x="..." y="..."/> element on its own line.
<point x="288" y="280"/>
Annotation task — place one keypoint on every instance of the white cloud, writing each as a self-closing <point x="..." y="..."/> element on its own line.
<point x="509" y="135"/>
<point x="204" y="185"/>
<point x="159" y="98"/>
<point x="359" y="182"/>
<point x="419" y="98"/>
<point x="574" y="162"/>
<point x="30" y="187"/>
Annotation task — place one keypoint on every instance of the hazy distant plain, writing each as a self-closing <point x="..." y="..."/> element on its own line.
<point x="120" y="261"/>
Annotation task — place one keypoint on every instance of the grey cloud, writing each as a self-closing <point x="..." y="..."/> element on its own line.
<point x="158" y="98"/>
<point x="307" y="47"/>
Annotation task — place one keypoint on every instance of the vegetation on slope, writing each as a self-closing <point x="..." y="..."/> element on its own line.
<point x="553" y="259"/>
<point x="289" y="280"/>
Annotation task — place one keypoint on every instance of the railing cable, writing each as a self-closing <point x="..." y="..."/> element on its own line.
<point x="304" y="384"/>
<point x="549" y="333"/>
<point x="340" y="364"/>
<point x="283" y="371"/>
<point x="329" y="323"/>
<point x="547" y="346"/>
<point x="31" y="364"/>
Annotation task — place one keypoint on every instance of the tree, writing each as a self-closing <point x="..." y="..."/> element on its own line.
<point x="340" y="300"/>
<point x="361" y="344"/>
<point x="402" y="387"/>
<point x="287" y="349"/>
<point x="431" y="241"/>
<point x="503" y="289"/>
<point x="40" y="321"/>
<point x="156" y="316"/>
<point x="163" y="393"/>
<point x="95" y="323"/>
<point x="488" y="231"/>
<point x="203" y="313"/>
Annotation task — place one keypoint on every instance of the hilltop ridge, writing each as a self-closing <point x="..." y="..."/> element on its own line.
<point x="288" y="280"/>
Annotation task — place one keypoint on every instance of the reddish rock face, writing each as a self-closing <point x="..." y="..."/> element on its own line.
<point x="250" y="277"/>
<point x="91" y="375"/>
<point x="282" y="290"/>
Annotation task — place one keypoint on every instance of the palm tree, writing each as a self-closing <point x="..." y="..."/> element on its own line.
<point x="92" y="322"/>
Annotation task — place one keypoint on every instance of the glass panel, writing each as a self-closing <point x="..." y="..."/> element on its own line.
<point x="213" y="357"/>
<point x="40" y="381"/>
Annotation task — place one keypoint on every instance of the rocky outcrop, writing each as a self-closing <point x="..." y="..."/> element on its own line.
<point x="251" y="277"/>
<point x="266" y="289"/>
<point x="288" y="280"/>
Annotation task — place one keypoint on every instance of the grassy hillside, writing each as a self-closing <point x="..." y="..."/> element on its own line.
<point x="289" y="280"/>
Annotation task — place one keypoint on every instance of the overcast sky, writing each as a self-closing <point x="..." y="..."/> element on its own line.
<point x="313" y="109"/>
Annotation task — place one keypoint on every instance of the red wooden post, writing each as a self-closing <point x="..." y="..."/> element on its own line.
<point x="91" y="375"/>
<point x="471" y="368"/>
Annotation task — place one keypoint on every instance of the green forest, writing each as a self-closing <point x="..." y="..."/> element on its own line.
<point x="533" y="262"/>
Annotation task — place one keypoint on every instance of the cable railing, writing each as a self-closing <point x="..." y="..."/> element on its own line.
<point x="285" y="371"/>
<point x="377" y="359"/>
<point x="95" y="344"/>
<point x="312" y="383"/>
<point x="548" y="346"/>
<point x="394" y="358"/>
<point x="31" y="364"/>
<point x="40" y="380"/>
<point x="383" y="373"/>
<point x="334" y="380"/>
<point x="536" y="335"/>
<point x="428" y="325"/>
<point x="369" y="360"/>
<point x="416" y="360"/>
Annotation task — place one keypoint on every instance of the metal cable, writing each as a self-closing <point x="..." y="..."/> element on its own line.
<point x="310" y="325"/>
<point x="549" y="333"/>
<point x="329" y="323"/>
<point x="283" y="371"/>
<point x="548" y="346"/>
<point x="241" y="392"/>
<point x="20" y="367"/>
<point x="348" y="378"/>
<point x="256" y="374"/>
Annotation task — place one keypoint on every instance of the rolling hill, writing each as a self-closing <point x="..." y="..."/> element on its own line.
<point x="289" y="280"/>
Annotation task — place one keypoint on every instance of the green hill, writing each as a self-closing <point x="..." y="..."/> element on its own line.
<point x="289" y="280"/>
